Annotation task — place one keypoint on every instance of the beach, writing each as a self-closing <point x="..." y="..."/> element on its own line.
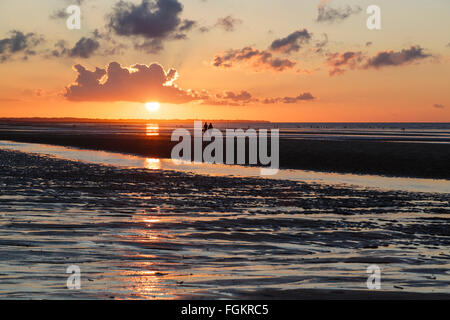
<point x="365" y="149"/>
<point x="161" y="234"/>
<point x="209" y="153"/>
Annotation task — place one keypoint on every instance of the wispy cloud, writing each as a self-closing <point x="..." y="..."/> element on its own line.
<point x="328" y="14"/>
<point x="340" y="62"/>
<point x="254" y="58"/>
<point x="291" y="43"/>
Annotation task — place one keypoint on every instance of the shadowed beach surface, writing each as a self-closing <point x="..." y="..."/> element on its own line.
<point x="140" y="233"/>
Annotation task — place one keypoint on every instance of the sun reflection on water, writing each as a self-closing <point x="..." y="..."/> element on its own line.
<point x="153" y="163"/>
<point x="144" y="277"/>
<point x="152" y="129"/>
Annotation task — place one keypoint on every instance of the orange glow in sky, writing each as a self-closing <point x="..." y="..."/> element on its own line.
<point x="277" y="65"/>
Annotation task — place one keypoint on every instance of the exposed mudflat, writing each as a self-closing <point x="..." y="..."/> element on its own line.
<point x="139" y="233"/>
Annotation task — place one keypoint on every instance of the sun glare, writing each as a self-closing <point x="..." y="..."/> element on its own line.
<point x="152" y="106"/>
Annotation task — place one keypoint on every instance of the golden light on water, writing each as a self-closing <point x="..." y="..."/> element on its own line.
<point x="152" y="106"/>
<point x="152" y="163"/>
<point x="152" y="129"/>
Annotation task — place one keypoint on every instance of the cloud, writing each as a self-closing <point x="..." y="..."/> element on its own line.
<point x="61" y="13"/>
<point x="320" y="45"/>
<point x="229" y="98"/>
<point x="84" y="48"/>
<point x="392" y="58"/>
<point x="306" y="96"/>
<point x="187" y="25"/>
<point x="438" y="106"/>
<point x="330" y="15"/>
<point x="243" y="98"/>
<point x="292" y="43"/>
<point x="254" y="58"/>
<point x="143" y="83"/>
<point x="98" y="44"/>
<point x="19" y="43"/>
<point x="337" y="62"/>
<point x="340" y="62"/>
<point x="152" y="20"/>
<point x="228" y="23"/>
<point x="150" y="46"/>
<point x="138" y="83"/>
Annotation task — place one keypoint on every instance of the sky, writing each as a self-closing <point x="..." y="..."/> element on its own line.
<point x="276" y="60"/>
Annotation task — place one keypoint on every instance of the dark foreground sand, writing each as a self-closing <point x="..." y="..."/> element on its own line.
<point x="151" y="234"/>
<point x="421" y="160"/>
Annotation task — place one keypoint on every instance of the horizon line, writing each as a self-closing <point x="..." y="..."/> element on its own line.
<point x="190" y="120"/>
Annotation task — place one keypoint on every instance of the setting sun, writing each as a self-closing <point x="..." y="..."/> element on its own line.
<point x="152" y="106"/>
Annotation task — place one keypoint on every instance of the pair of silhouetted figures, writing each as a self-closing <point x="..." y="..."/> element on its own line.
<point x="206" y="127"/>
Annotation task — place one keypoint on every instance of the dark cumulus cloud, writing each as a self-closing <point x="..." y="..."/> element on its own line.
<point x="328" y="14"/>
<point x="138" y="83"/>
<point x="289" y="100"/>
<point x="393" y="58"/>
<point x="154" y="21"/>
<point x="254" y="58"/>
<point x="19" y="43"/>
<point x="291" y="43"/>
<point x="83" y="48"/>
<point x="438" y="106"/>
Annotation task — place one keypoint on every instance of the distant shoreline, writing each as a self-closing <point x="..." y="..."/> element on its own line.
<point x="100" y="120"/>
<point x="95" y="120"/>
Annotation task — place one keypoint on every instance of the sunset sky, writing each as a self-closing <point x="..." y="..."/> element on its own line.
<point x="277" y="60"/>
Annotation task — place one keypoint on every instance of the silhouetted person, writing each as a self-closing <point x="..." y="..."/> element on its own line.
<point x="205" y="127"/>
<point x="210" y="126"/>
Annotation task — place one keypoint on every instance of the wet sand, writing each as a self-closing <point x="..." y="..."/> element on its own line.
<point x="140" y="233"/>
<point x="420" y="160"/>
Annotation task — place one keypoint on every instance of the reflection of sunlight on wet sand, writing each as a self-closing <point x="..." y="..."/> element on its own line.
<point x="153" y="163"/>
<point x="145" y="278"/>
<point x="146" y="283"/>
<point x="152" y="129"/>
